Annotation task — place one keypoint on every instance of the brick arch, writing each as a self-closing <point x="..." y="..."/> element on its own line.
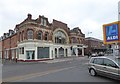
<point x="37" y="34"/>
<point x="27" y="32"/>
<point x="59" y="29"/>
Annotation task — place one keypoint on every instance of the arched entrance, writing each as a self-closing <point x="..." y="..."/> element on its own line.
<point x="61" y="52"/>
<point x="60" y="36"/>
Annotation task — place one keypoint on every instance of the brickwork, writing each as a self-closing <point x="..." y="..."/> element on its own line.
<point x="35" y="25"/>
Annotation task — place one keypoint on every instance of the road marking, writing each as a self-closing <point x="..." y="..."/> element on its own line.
<point x="32" y="75"/>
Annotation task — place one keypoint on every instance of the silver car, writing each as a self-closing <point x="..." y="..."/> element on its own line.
<point x="108" y="66"/>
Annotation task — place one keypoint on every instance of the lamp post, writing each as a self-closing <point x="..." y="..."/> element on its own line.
<point x="89" y="33"/>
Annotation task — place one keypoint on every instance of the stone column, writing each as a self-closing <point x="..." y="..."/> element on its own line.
<point x="76" y="52"/>
<point x="82" y="51"/>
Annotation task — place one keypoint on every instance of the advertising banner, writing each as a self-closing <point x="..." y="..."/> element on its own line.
<point x="111" y="33"/>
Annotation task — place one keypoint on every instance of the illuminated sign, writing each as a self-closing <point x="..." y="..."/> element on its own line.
<point x="112" y="32"/>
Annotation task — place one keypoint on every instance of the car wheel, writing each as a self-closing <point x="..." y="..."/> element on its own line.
<point x="92" y="72"/>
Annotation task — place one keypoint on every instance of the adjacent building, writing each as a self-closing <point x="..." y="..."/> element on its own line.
<point x="37" y="39"/>
<point x="94" y="45"/>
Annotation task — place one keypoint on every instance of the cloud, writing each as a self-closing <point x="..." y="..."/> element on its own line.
<point x="87" y="14"/>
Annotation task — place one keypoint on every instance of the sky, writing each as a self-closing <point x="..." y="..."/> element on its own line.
<point x="88" y="15"/>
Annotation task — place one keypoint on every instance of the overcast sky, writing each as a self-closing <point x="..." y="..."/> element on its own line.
<point x="88" y="15"/>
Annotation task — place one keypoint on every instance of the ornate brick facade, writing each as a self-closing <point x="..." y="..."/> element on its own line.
<point x="32" y="35"/>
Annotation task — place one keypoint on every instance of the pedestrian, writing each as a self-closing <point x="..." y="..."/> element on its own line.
<point x="89" y="54"/>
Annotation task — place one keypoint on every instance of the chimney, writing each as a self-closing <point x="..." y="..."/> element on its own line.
<point x="39" y="19"/>
<point x="11" y="32"/>
<point x="29" y="16"/>
<point x="4" y="35"/>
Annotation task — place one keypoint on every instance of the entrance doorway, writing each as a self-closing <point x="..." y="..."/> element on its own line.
<point x="79" y="52"/>
<point x="30" y="55"/>
<point x="61" y="52"/>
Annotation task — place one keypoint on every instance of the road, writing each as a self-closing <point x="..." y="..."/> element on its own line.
<point x="73" y="70"/>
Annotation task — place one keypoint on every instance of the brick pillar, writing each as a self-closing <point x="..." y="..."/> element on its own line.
<point x="18" y="37"/>
<point x="15" y="54"/>
<point x="25" y="34"/>
<point x="3" y="54"/>
<point x="9" y="55"/>
<point x="50" y="36"/>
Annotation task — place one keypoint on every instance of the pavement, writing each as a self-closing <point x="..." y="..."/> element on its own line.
<point x="63" y="59"/>
<point x="7" y="62"/>
<point x="57" y="60"/>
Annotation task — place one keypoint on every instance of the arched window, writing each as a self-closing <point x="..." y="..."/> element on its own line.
<point x="60" y="37"/>
<point x="46" y="36"/>
<point x="30" y="34"/>
<point x="39" y="35"/>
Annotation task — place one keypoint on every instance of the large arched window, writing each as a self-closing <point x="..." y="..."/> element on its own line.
<point x="30" y="34"/>
<point x="39" y="35"/>
<point x="60" y="37"/>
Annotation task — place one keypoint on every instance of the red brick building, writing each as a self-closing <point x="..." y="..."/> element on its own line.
<point x="37" y="39"/>
<point x="94" y="45"/>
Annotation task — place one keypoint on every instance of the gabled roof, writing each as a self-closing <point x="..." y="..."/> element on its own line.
<point x="77" y="30"/>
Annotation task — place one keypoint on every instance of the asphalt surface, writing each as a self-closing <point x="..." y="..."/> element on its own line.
<point x="59" y="70"/>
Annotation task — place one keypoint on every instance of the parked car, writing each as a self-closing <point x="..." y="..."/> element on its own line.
<point x="100" y="54"/>
<point x="108" y="66"/>
<point x="94" y="54"/>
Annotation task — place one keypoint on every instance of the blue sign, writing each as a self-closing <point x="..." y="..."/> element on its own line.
<point x="112" y="33"/>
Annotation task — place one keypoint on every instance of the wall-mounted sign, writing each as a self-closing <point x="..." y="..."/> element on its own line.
<point x="111" y="33"/>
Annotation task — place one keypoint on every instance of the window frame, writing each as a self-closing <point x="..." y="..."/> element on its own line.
<point x="96" y="59"/>
<point x="30" y="34"/>
<point x="46" y="36"/>
<point x="39" y="37"/>
<point x="110" y="65"/>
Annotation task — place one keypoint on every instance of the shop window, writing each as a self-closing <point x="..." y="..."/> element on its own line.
<point x="21" y="50"/>
<point x="30" y="54"/>
<point x="42" y="52"/>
